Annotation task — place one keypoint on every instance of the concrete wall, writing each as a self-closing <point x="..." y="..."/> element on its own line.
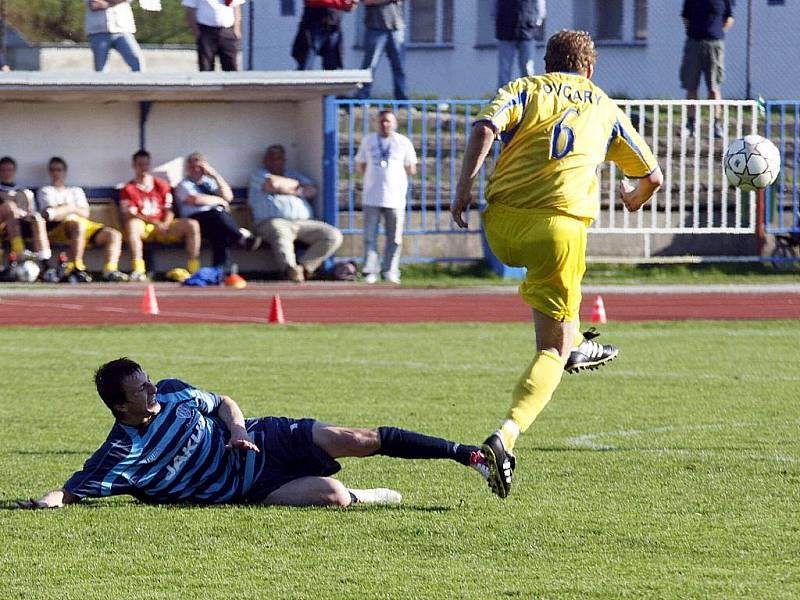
<point x="78" y="59"/>
<point x="98" y="141"/>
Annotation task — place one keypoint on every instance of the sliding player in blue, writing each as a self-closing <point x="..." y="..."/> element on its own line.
<point x="174" y="443"/>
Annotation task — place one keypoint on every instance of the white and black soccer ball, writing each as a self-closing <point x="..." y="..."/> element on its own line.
<point x="752" y="163"/>
<point x="27" y="271"/>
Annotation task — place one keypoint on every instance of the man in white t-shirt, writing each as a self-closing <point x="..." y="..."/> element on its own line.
<point x="109" y="24"/>
<point x="66" y="213"/>
<point x="386" y="159"/>
<point x="217" y="27"/>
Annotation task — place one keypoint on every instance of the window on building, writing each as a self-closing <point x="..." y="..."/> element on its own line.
<point x="612" y="20"/>
<point x="287" y="8"/>
<point x="430" y="21"/>
<point x="485" y="22"/>
<point x="608" y="16"/>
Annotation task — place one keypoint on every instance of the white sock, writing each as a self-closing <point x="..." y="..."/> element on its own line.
<point x="44" y="254"/>
<point x="382" y="496"/>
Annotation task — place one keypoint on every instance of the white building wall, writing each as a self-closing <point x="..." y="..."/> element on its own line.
<point x="648" y="70"/>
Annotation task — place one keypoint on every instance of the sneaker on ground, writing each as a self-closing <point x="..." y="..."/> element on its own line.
<point x="7" y="274"/>
<point x="501" y="465"/>
<point x="138" y="276"/>
<point x="391" y="278"/>
<point x="371" y="278"/>
<point x="478" y="462"/>
<point x="589" y="354"/>
<point x="252" y="242"/>
<point x="77" y="276"/>
<point x="178" y="274"/>
<point x="50" y="275"/>
<point x="114" y="276"/>
<point x="381" y="496"/>
<point x="294" y="273"/>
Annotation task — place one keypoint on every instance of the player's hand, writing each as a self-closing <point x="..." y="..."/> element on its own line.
<point x="630" y="196"/>
<point x="242" y="441"/>
<point x="32" y="504"/>
<point x="458" y="207"/>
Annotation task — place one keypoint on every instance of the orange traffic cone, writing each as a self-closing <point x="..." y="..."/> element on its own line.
<point x="276" y="311"/>
<point x="149" y="301"/>
<point x="598" y="311"/>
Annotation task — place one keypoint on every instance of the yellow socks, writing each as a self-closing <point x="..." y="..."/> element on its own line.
<point x="80" y="265"/>
<point x="17" y="245"/>
<point x="193" y="265"/>
<point x="531" y="394"/>
<point x="110" y="267"/>
<point x="138" y="264"/>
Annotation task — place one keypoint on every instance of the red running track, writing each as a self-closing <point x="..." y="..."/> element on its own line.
<point x="362" y="304"/>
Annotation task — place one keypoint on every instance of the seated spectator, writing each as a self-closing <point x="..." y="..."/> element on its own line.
<point x="205" y="196"/>
<point x="20" y="221"/>
<point x="146" y="206"/>
<point x="66" y="213"/>
<point x="278" y="198"/>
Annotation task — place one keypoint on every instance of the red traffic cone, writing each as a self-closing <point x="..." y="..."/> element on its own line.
<point x="276" y="311"/>
<point x="598" y="311"/>
<point x="149" y="301"/>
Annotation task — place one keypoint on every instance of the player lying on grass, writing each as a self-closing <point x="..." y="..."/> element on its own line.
<point x="174" y="443"/>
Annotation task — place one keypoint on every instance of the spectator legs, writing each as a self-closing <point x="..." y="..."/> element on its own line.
<point x="505" y="60"/>
<point x="322" y="239"/>
<point x="228" y="51"/>
<point x="525" y="57"/>
<point x="280" y="234"/>
<point x="372" y="219"/>
<point x="101" y="45"/>
<point x="221" y="230"/>
<point x="394" y="218"/>
<point x="207" y="47"/>
<point x="395" y="50"/>
<point x="128" y="47"/>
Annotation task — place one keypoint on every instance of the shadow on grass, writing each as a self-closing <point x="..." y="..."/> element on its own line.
<point x="50" y="452"/>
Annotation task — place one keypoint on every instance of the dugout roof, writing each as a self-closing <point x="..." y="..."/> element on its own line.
<point x="239" y="86"/>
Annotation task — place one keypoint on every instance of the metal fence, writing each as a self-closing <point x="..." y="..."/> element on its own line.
<point x="783" y="198"/>
<point x="696" y="197"/>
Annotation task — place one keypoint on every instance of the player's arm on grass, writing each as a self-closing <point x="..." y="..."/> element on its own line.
<point x="480" y="142"/>
<point x="54" y="499"/>
<point x="232" y="416"/>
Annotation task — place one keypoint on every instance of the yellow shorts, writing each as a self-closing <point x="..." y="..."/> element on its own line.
<point x="151" y="234"/>
<point x="553" y="249"/>
<point x="58" y="234"/>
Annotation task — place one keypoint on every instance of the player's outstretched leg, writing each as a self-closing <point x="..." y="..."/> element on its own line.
<point x="590" y="354"/>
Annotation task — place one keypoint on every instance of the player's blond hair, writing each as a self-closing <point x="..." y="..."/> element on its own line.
<point x="571" y="51"/>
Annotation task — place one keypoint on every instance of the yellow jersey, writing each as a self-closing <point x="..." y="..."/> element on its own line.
<point x="556" y="129"/>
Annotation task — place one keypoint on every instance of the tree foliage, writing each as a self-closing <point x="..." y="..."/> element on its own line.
<point x="60" y="20"/>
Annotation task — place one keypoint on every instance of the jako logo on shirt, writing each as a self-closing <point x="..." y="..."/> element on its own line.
<point x="184" y="411"/>
<point x="185" y="453"/>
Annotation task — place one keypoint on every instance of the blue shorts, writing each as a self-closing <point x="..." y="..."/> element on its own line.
<point x="288" y="453"/>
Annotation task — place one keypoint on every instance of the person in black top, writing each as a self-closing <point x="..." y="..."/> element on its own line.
<point x="320" y="33"/>
<point x="706" y="22"/>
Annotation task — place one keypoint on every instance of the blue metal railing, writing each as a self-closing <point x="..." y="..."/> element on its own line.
<point x="438" y="129"/>
<point x="782" y="200"/>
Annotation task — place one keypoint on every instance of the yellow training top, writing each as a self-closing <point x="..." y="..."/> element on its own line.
<point x="556" y="129"/>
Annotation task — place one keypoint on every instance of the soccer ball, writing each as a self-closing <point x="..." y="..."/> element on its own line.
<point x="27" y="271"/>
<point x="752" y="163"/>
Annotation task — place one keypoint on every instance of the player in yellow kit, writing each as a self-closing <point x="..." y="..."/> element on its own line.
<point x="556" y="129"/>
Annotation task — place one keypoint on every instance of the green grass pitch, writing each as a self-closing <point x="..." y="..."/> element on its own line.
<point x="672" y="473"/>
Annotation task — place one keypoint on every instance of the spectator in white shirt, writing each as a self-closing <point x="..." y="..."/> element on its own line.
<point x="386" y="159"/>
<point x="217" y="27"/>
<point x="109" y="24"/>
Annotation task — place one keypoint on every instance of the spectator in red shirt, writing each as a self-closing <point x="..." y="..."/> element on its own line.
<point x="146" y="206"/>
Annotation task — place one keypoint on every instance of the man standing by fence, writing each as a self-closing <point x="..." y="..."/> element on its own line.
<point x="384" y="31"/>
<point x="516" y="25"/>
<point x="386" y="159"/>
<point x="556" y="129"/>
<point x="706" y="22"/>
<point x="109" y="24"/>
<point x="217" y="27"/>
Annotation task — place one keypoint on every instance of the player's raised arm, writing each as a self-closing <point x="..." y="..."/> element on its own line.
<point x="635" y="197"/>
<point x="54" y="499"/>
<point x="480" y="142"/>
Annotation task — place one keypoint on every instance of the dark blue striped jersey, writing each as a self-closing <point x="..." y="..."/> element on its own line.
<point x="179" y="456"/>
